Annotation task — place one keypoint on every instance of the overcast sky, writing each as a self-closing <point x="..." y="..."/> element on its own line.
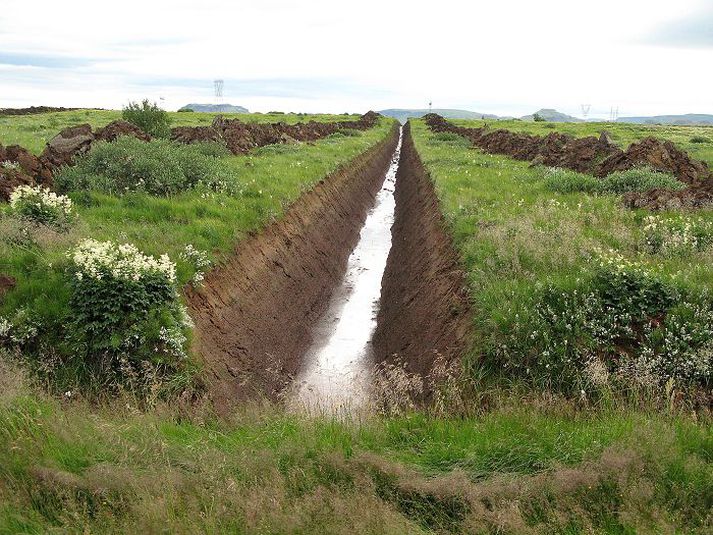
<point x="500" y="56"/>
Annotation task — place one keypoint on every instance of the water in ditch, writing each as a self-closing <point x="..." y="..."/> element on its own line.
<point x="336" y="374"/>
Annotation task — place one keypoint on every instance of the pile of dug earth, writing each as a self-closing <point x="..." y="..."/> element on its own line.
<point x="599" y="157"/>
<point x="240" y="137"/>
<point x="19" y="166"/>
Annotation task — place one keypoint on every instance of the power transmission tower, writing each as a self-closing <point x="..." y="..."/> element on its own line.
<point x="585" y="110"/>
<point x="218" y="85"/>
<point x="613" y="114"/>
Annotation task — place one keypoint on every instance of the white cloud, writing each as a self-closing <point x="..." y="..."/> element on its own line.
<point x="506" y="56"/>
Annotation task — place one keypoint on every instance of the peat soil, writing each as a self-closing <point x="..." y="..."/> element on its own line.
<point x="424" y="310"/>
<point x="255" y="315"/>
<point x="599" y="157"/>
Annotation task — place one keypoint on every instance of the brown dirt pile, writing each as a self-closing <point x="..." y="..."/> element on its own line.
<point x="32" y="110"/>
<point x="23" y="168"/>
<point x="599" y="157"/>
<point x="60" y="150"/>
<point x="240" y="137"/>
<point x="255" y="314"/>
<point x="75" y="140"/>
<point x="424" y="308"/>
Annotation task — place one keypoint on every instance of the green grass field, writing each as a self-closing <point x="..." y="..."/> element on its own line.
<point x="622" y="133"/>
<point x="535" y="467"/>
<point x="513" y="460"/>
<point x="34" y="131"/>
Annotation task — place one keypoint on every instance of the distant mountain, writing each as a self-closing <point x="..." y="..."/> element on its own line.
<point x="552" y="116"/>
<point x="403" y="114"/>
<point x="214" y="108"/>
<point x="689" y="118"/>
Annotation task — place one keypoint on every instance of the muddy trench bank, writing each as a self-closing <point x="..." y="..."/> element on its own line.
<point x="254" y="316"/>
<point x="424" y="308"/>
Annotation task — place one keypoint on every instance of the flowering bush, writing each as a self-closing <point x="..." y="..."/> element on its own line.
<point x="127" y="318"/>
<point x="198" y="260"/>
<point x="41" y="205"/>
<point x="620" y="323"/>
<point x="676" y="235"/>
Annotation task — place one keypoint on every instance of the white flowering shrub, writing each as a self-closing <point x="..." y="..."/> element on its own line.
<point x="676" y="235"/>
<point x="620" y="316"/>
<point x="10" y="166"/>
<point x="126" y="311"/>
<point x="41" y="205"/>
<point x="19" y="330"/>
<point x="198" y="261"/>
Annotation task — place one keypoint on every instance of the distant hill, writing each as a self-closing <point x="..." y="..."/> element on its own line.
<point x="552" y="116"/>
<point x="689" y="118"/>
<point x="403" y="114"/>
<point x="215" y="108"/>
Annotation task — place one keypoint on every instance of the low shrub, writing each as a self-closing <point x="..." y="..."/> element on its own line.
<point x="158" y="167"/>
<point x="149" y="117"/>
<point x="128" y="326"/>
<point x="566" y="181"/>
<point x="42" y="206"/>
<point x="618" y="326"/>
<point x="700" y="139"/>
<point x="639" y="179"/>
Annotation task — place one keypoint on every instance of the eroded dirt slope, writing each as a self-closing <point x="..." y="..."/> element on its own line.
<point x="255" y="314"/>
<point x="424" y="308"/>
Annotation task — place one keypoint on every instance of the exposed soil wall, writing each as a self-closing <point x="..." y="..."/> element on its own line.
<point x="424" y="308"/>
<point x="255" y="314"/>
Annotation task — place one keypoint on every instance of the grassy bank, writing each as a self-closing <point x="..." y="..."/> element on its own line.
<point x="258" y="188"/>
<point x="34" y="131"/>
<point x="696" y="140"/>
<point x="570" y="289"/>
<point x="538" y="467"/>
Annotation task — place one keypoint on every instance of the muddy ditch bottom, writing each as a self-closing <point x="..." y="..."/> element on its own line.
<point x="336" y="373"/>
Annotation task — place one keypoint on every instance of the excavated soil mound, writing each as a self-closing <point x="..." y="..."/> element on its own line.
<point x="32" y="110"/>
<point x="659" y="155"/>
<point x="424" y="308"/>
<point x="240" y="137"/>
<point x="75" y="140"/>
<point x="255" y="315"/>
<point x="30" y="170"/>
<point x="599" y="157"/>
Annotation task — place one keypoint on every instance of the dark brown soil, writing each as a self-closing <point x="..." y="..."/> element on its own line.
<point x="240" y="137"/>
<point x="424" y="309"/>
<point x="32" y="110"/>
<point x="597" y="156"/>
<point x="31" y="170"/>
<point x="254" y="316"/>
<point x="7" y="283"/>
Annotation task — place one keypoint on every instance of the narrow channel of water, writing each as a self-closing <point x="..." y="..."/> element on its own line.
<point x="336" y="375"/>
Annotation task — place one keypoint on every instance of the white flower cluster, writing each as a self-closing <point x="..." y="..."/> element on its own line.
<point x="10" y="166"/>
<point x="97" y="259"/>
<point x="198" y="259"/>
<point x="615" y="261"/>
<point x="5" y="327"/>
<point x="676" y="235"/>
<point x="41" y="198"/>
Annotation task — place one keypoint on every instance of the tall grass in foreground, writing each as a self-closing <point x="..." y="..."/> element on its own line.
<point x="539" y="466"/>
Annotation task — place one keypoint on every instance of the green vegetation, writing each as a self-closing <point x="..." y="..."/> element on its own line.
<point x="149" y="117"/>
<point x="516" y="469"/>
<point x="642" y="179"/>
<point x="158" y="167"/>
<point x="621" y="133"/>
<point x="568" y="293"/>
<point x="141" y="194"/>
<point x="34" y="131"/>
